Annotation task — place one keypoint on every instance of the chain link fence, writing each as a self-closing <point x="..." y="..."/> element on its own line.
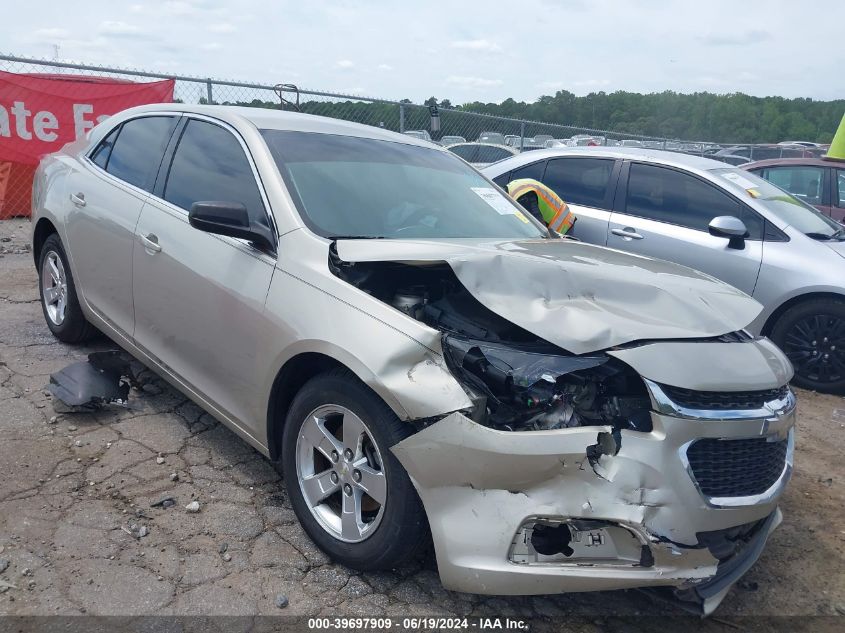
<point x="450" y="126"/>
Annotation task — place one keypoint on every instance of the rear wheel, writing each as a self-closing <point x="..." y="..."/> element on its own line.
<point x="59" y="301"/>
<point x="350" y="493"/>
<point x="812" y="335"/>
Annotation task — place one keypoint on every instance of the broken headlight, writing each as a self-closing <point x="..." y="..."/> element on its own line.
<point x="539" y="387"/>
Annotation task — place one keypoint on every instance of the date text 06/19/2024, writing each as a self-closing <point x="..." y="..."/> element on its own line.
<point x="414" y="623"/>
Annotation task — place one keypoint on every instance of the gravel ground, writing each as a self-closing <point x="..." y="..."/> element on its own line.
<point x="73" y="484"/>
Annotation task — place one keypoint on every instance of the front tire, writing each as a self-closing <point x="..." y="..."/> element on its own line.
<point x="350" y="493"/>
<point x="59" y="301"/>
<point x="812" y="335"/>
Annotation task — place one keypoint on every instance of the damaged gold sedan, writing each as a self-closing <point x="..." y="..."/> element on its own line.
<point x="423" y="356"/>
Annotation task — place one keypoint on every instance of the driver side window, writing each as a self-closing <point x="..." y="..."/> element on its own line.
<point x="210" y="165"/>
<point x="670" y="196"/>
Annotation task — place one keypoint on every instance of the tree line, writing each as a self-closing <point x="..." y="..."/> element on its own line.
<point x="725" y="118"/>
<point x="701" y="116"/>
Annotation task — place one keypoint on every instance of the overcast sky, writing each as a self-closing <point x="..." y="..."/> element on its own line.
<point x="465" y="51"/>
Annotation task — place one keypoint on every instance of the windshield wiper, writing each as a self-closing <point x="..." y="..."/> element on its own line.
<point x="820" y="236"/>
<point x="355" y="237"/>
<point x="839" y="234"/>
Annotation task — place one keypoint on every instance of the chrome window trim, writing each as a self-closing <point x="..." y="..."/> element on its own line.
<point x="666" y="406"/>
<point x="767" y="496"/>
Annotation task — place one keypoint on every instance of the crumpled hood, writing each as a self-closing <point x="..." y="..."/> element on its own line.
<point x="578" y="296"/>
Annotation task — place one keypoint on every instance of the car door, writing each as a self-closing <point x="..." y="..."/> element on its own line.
<point x="664" y="212"/>
<point x="199" y="297"/>
<point x="587" y="186"/>
<point x="106" y="191"/>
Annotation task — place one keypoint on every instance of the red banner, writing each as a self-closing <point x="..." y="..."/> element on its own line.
<point x="41" y="113"/>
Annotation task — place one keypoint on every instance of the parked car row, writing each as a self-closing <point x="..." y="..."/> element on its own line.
<point x="726" y="222"/>
<point x="426" y="358"/>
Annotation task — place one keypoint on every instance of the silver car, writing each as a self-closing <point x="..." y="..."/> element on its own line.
<point x="721" y="220"/>
<point x="421" y="355"/>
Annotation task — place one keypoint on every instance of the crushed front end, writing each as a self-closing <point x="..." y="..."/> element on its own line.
<point x="580" y="473"/>
<point x="624" y="430"/>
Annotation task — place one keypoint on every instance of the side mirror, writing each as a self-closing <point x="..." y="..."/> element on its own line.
<point x="730" y="227"/>
<point x="232" y="219"/>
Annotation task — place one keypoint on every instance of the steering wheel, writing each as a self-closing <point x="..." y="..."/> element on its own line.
<point x="413" y="220"/>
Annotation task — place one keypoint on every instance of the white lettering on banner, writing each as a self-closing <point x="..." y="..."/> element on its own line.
<point x="43" y="124"/>
<point x="20" y="112"/>
<point x="80" y="123"/>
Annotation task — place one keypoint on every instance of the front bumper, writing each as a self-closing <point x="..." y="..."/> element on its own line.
<point x="481" y="487"/>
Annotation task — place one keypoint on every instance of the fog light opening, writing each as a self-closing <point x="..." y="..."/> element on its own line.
<point x="576" y="541"/>
<point x="550" y="540"/>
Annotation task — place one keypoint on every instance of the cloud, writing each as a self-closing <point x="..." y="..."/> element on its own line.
<point x="136" y="8"/>
<point x="211" y="46"/>
<point x="111" y="28"/>
<point x="473" y="82"/>
<point x="591" y="83"/>
<point x="182" y="7"/>
<point x="480" y="45"/>
<point x="754" y="36"/>
<point x="385" y="67"/>
<point x="52" y="34"/>
<point x="345" y="64"/>
<point x="551" y="85"/>
<point x="221" y="27"/>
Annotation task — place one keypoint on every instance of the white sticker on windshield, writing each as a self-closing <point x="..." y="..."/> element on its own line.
<point x="495" y="200"/>
<point x="740" y="180"/>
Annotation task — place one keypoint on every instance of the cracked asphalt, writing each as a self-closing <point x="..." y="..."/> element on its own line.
<point x="76" y="490"/>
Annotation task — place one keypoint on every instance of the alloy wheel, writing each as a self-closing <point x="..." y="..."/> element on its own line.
<point x="816" y="347"/>
<point x="341" y="473"/>
<point x="54" y="287"/>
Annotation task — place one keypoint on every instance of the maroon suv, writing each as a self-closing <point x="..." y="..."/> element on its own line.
<point x="816" y="181"/>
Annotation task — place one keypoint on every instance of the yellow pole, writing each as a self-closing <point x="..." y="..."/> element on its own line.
<point x="837" y="147"/>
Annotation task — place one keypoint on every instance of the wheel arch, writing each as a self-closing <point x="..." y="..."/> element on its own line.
<point x="44" y="228"/>
<point x="292" y="376"/>
<point x="794" y="301"/>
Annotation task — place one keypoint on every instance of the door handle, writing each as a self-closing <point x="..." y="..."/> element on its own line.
<point x="627" y="233"/>
<point x="78" y="199"/>
<point x="150" y="242"/>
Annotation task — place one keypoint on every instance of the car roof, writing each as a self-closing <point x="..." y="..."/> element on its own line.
<point x="270" y="119"/>
<point x="482" y="144"/>
<point x="772" y="162"/>
<point x="673" y="159"/>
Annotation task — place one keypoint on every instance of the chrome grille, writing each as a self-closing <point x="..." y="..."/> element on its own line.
<point x="723" y="400"/>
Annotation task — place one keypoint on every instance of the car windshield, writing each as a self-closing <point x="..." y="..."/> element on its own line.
<point x="345" y="186"/>
<point x="797" y="214"/>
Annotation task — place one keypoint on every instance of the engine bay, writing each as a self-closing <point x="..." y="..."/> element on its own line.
<point x="517" y="381"/>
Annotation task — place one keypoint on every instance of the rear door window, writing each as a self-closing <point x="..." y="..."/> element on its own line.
<point x="210" y="166"/>
<point x="584" y="181"/>
<point x="467" y="152"/>
<point x="139" y="148"/>
<point x="489" y="154"/>
<point x="670" y="196"/>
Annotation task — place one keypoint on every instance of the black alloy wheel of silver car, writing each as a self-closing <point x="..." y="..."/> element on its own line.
<point x="812" y="335"/>
<point x="59" y="301"/>
<point x="350" y="493"/>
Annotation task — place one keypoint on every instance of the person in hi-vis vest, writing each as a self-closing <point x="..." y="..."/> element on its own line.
<point x="543" y="203"/>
